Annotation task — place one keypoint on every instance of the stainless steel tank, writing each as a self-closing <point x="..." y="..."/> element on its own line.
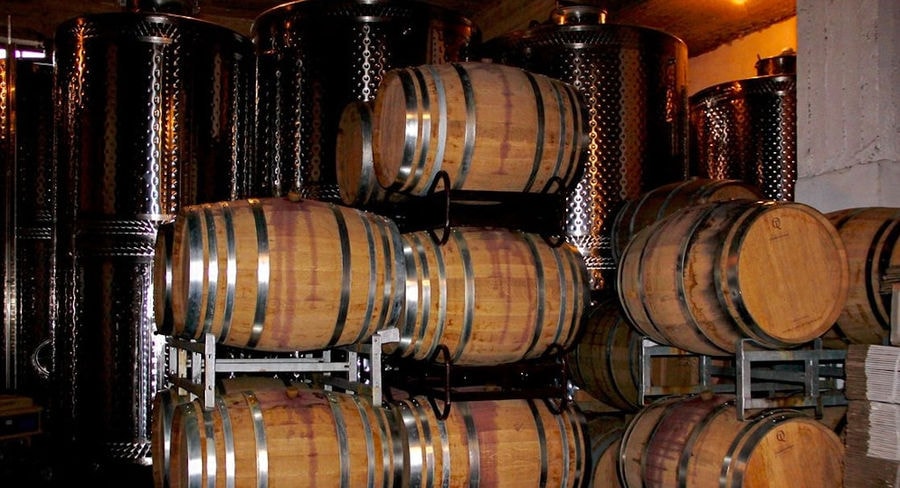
<point x="316" y="56"/>
<point x="154" y="112"/>
<point x="29" y="202"/>
<point x="747" y="129"/>
<point x="633" y="81"/>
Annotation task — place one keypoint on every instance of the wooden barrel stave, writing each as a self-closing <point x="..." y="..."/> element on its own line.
<point x="604" y="360"/>
<point x="167" y="400"/>
<point x="285" y="437"/>
<point x="354" y="166"/>
<point x="774" y="272"/>
<point x="695" y="256"/>
<point x="629" y="287"/>
<point x="637" y="434"/>
<point x="460" y="116"/>
<point x="248" y="271"/>
<point x="699" y="441"/>
<point x="501" y="443"/>
<point x="162" y="411"/>
<point x="662" y="201"/>
<point x="605" y="435"/>
<point x="872" y="238"/>
<point x="530" y="296"/>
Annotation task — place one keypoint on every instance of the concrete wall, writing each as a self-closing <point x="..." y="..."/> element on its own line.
<point x="848" y="91"/>
<point x="848" y="96"/>
<point x="736" y="60"/>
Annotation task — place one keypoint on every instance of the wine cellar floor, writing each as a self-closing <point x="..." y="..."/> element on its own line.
<point x="32" y="462"/>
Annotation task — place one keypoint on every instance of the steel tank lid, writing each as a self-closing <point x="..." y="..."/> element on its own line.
<point x="583" y="26"/>
<point x="115" y="21"/>
<point x="782" y="64"/>
<point x="768" y="84"/>
<point x="345" y="8"/>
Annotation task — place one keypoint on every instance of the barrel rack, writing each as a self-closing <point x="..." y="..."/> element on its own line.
<point x="193" y="366"/>
<point x="443" y="207"/>
<point x="753" y="369"/>
<point x="439" y="378"/>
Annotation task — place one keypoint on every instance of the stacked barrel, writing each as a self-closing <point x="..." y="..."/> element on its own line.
<point x="700" y="441"/>
<point x="292" y="274"/>
<point x="277" y="275"/>
<point x="710" y="275"/>
<point x="298" y="436"/>
<point x="491" y="294"/>
<point x="249" y="270"/>
<point x="605" y="362"/>
<point x="872" y="238"/>
<point x="704" y="276"/>
<point x="701" y="265"/>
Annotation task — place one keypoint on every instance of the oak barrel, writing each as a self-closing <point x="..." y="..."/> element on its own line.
<point x="604" y="455"/>
<point x="278" y="275"/>
<point x="490" y="295"/>
<point x="162" y="410"/>
<point x="498" y="443"/>
<point x="709" y="275"/>
<point x="700" y="441"/>
<point x="490" y="127"/>
<point x="354" y="168"/>
<point x="605" y="360"/>
<point x="637" y="434"/>
<point x="653" y="205"/>
<point x="605" y="434"/>
<point x="285" y="437"/>
<point x="872" y="238"/>
<point x="165" y="402"/>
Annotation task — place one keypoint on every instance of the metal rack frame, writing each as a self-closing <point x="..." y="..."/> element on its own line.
<point x="753" y="372"/>
<point x="439" y="378"/>
<point x="193" y="365"/>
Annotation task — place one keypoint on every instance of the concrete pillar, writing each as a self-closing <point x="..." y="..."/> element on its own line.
<point x="848" y="96"/>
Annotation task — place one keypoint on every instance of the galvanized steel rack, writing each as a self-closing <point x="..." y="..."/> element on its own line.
<point x="193" y="366"/>
<point x="817" y="371"/>
<point x="443" y="207"/>
<point x="438" y="378"/>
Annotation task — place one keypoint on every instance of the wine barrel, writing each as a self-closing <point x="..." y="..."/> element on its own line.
<point x="491" y="296"/>
<point x="278" y="275"/>
<point x="605" y="360"/>
<point x="605" y="461"/>
<point x="709" y="275"/>
<point x="663" y="200"/>
<point x="165" y="402"/>
<point x="286" y="437"/>
<point x="356" y="181"/>
<point x="490" y="127"/>
<point x="872" y="238"/>
<point x="162" y="411"/>
<point x="637" y="434"/>
<point x="700" y="441"/>
<point x="497" y="443"/>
